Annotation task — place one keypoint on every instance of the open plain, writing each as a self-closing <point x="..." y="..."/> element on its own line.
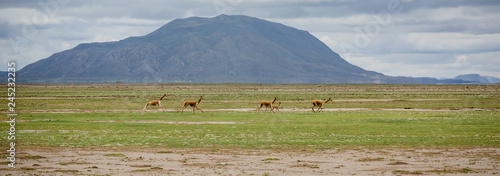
<point x="99" y="129"/>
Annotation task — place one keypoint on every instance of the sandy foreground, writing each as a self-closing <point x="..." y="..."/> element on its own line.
<point x="164" y="161"/>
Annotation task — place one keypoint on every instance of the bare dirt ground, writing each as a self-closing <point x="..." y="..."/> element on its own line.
<point x="164" y="161"/>
<point x="239" y="110"/>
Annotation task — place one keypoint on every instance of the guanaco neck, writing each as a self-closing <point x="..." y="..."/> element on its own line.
<point x="199" y="100"/>
<point x="274" y="100"/>
<point x="162" y="97"/>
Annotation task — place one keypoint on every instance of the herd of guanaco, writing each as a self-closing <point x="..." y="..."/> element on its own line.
<point x="266" y="104"/>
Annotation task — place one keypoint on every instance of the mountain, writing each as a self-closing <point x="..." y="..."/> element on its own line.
<point x="492" y="80"/>
<point x="428" y="80"/>
<point x="222" y="49"/>
<point x="478" y="79"/>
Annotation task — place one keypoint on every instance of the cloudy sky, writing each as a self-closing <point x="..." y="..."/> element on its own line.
<point x="433" y="38"/>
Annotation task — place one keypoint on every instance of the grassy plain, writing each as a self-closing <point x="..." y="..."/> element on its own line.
<point x="109" y="115"/>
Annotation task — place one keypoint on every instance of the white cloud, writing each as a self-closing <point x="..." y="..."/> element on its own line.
<point x="453" y="42"/>
<point x="125" y="20"/>
<point x="7" y="14"/>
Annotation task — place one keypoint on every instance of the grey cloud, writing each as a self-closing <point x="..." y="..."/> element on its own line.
<point x="416" y="36"/>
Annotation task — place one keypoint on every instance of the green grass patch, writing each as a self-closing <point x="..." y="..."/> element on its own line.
<point x="115" y="155"/>
<point x="109" y="116"/>
<point x="271" y="158"/>
<point x="251" y="130"/>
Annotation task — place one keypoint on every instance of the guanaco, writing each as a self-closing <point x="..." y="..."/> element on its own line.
<point x="319" y="103"/>
<point x="267" y="104"/>
<point x="154" y="103"/>
<point x="193" y="104"/>
<point x="277" y="107"/>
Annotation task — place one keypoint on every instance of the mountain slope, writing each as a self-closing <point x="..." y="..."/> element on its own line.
<point x="235" y="49"/>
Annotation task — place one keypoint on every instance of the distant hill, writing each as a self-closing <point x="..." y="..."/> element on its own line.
<point x="492" y="80"/>
<point x="478" y="79"/>
<point x="222" y="49"/>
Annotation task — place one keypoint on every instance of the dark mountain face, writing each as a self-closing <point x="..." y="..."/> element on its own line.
<point x="223" y="49"/>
